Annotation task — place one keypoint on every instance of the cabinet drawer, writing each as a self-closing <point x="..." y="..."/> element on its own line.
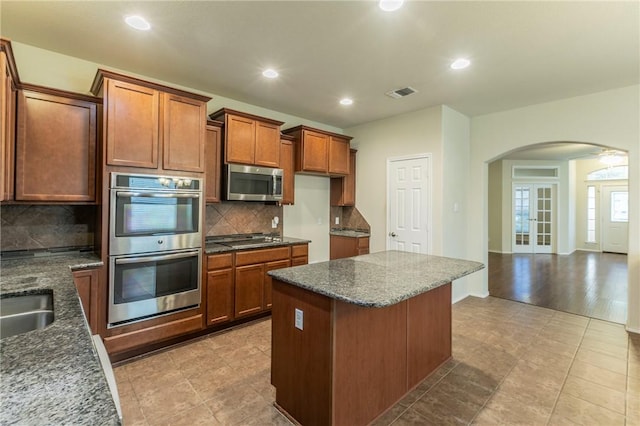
<point x="297" y="261"/>
<point x="219" y="261"/>
<point x="301" y="250"/>
<point x="261" y="256"/>
<point x="363" y="242"/>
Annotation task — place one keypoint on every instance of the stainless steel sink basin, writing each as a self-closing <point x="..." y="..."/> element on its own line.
<point x="21" y="314"/>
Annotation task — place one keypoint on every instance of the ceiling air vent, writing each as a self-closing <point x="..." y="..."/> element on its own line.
<point x="401" y="93"/>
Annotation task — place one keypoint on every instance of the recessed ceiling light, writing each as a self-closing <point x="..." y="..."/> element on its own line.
<point x="346" y="101"/>
<point x="460" y="63"/>
<point x="390" y="5"/>
<point x="270" y="73"/>
<point x="138" y="22"/>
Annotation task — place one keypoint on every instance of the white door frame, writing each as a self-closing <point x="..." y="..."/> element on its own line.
<point x="533" y="246"/>
<point x="429" y="187"/>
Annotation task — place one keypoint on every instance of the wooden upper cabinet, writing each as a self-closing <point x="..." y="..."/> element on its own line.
<point x="132" y="125"/>
<point x="343" y="190"/>
<point x="287" y="164"/>
<point x="249" y="139"/>
<point x="56" y="146"/>
<point x="8" y="97"/>
<point x="144" y="121"/>
<point x="320" y="152"/>
<point x="184" y="133"/>
<point x="213" y="161"/>
<point x="338" y="156"/>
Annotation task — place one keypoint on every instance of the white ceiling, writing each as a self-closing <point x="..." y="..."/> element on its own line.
<point x="522" y="53"/>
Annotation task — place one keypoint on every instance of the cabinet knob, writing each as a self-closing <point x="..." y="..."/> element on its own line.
<point x="392" y="234"/>
<point x="160" y="241"/>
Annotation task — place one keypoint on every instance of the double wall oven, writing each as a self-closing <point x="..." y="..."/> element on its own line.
<point x="155" y="241"/>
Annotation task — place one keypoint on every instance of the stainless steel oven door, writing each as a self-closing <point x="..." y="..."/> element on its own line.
<point x="145" y="285"/>
<point x="150" y="221"/>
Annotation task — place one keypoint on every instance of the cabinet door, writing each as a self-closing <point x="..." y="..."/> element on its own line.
<point x="239" y="141"/>
<point x="249" y="290"/>
<point x="315" y="152"/>
<point x="132" y="125"/>
<point x="340" y="247"/>
<point x="7" y="129"/>
<point x="343" y="190"/>
<point x="87" y="284"/>
<point x="287" y="164"/>
<point x="56" y="148"/>
<point x="212" y="164"/>
<point x="338" y="156"/>
<point x="184" y="132"/>
<point x="267" y="150"/>
<point x="219" y="296"/>
<point x="267" y="280"/>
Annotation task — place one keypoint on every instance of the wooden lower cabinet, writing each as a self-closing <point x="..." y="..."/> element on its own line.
<point x="268" y="280"/>
<point x="249" y="290"/>
<point x="88" y="285"/>
<point x="219" y="296"/>
<point x="299" y="255"/>
<point x="341" y="246"/>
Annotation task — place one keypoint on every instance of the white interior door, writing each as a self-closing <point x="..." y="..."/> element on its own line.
<point x="615" y="218"/>
<point x="408" y="207"/>
<point x="533" y="214"/>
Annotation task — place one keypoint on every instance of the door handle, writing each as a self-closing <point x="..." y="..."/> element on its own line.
<point x="392" y="234"/>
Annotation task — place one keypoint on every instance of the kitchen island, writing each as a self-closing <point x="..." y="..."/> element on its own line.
<point x="351" y="337"/>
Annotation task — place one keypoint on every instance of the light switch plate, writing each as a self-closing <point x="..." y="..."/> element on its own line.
<point x="299" y="319"/>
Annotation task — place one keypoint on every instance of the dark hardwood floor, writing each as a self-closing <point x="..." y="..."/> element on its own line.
<point x="584" y="283"/>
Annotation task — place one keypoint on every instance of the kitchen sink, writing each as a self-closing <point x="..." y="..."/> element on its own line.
<point x="22" y="314"/>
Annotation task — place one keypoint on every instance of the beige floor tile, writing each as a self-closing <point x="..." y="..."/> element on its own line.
<point x="554" y="346"/>
<point x="530" y="392"/>
<point x="199" y="415"/>
<point x="604" y="348"/>
<point x="237" y="405"/>
<point x="607" y="327"/>
<point x="209" y="383"/>
<point x="554" y="326"/>
<point x="570" y="318"/>
<point x="585" y="413"/>
<point x="131" y="412"/>
<point x="268" y="416"/>
<point x="551" y="376"/>
<point x="595" y="394"/>
<point x="158" y="380"/>
<point x="511" y="411"/>
<point x="616" y="339"/>
<point x="390" y="415"/>
<point x="599" y="375"/>
<point x="162" y="403"/>
<point x="438" y="407"/>
<point x="598" y="359"/>
<point x="560" y="336"/>
<point x="547" y="359"/>
<point x="148" y="365"/>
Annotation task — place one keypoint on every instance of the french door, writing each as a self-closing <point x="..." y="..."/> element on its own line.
<point x="533" y="216"/>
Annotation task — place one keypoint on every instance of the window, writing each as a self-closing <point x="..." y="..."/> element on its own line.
<point x="610" y="173"/>
<point x="620" y="207"/>
<point x="591" y="214"/>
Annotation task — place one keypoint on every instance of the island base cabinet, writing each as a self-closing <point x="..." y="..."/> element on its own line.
<point x="347" y="344"/>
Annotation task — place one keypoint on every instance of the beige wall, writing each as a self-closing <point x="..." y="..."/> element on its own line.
<point x="418" y="132"/>
<point x="494" y="207"/>
<point x="607" y="118"/>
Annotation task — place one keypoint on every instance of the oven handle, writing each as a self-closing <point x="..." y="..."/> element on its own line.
<point x="127" y="261"/>
<point x="155" y="195"/>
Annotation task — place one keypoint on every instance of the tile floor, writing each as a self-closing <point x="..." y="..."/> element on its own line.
<point x="512" y="364"/>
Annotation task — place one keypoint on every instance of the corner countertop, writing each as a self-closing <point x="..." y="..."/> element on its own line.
<point x="53" y="375"/>
<point x="379" y="279"/>
<point x="216" y="248"/>
<point x="352" y="233"/>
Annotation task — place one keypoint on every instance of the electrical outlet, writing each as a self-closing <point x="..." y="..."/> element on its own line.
<point x="299" y="319"/>
<point x="337" y="220"/>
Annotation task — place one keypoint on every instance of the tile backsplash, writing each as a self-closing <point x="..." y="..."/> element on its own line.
<point x="28" y="227"/>
<point x="241" y="217"/>
<point x="350" y="218"/>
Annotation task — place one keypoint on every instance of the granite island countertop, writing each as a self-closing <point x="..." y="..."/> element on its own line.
<point x="53" y="375"/>
<point x="378" y="279"/>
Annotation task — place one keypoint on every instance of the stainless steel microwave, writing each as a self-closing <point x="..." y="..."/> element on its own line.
<point x="251" y="183"/>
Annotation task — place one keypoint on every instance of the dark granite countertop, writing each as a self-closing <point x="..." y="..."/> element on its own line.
<point x="216" y="248"/>
<point x="53" y="375"/>
<point x="378" y="279"/>
<point x="352" y="233"/>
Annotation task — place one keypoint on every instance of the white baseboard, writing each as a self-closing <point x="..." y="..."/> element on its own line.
<point x="482" y="296"/>
<point x="589" y="250"/>
<point x="632" y="330"/>
<point x="496" y="251"/>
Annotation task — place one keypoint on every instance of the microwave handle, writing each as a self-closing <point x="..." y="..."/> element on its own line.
<point x="273" y="185"/>
<point x="143" y="259"/>
<point x="155" y="195"/>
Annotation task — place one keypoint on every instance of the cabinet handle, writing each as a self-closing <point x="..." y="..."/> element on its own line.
<point x="392" y="234"/>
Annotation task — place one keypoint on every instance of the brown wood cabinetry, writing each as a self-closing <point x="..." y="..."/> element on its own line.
<point x="9" y="81"/>
<point x="320" y="152"/>
<point x="343" y="190"/>
<point x="341" y="246"/>
<point x="287" y="164"/>
<point x="213" y="163"/>
<point x="220" y="294"/>
<point x="249" y="139"/>
<point x="56" y="146"/>
<point x="253" y="285"/>
<point x="88" y="285"/>
<point x="144" y="122"/>
<point x="299" y="254"/>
